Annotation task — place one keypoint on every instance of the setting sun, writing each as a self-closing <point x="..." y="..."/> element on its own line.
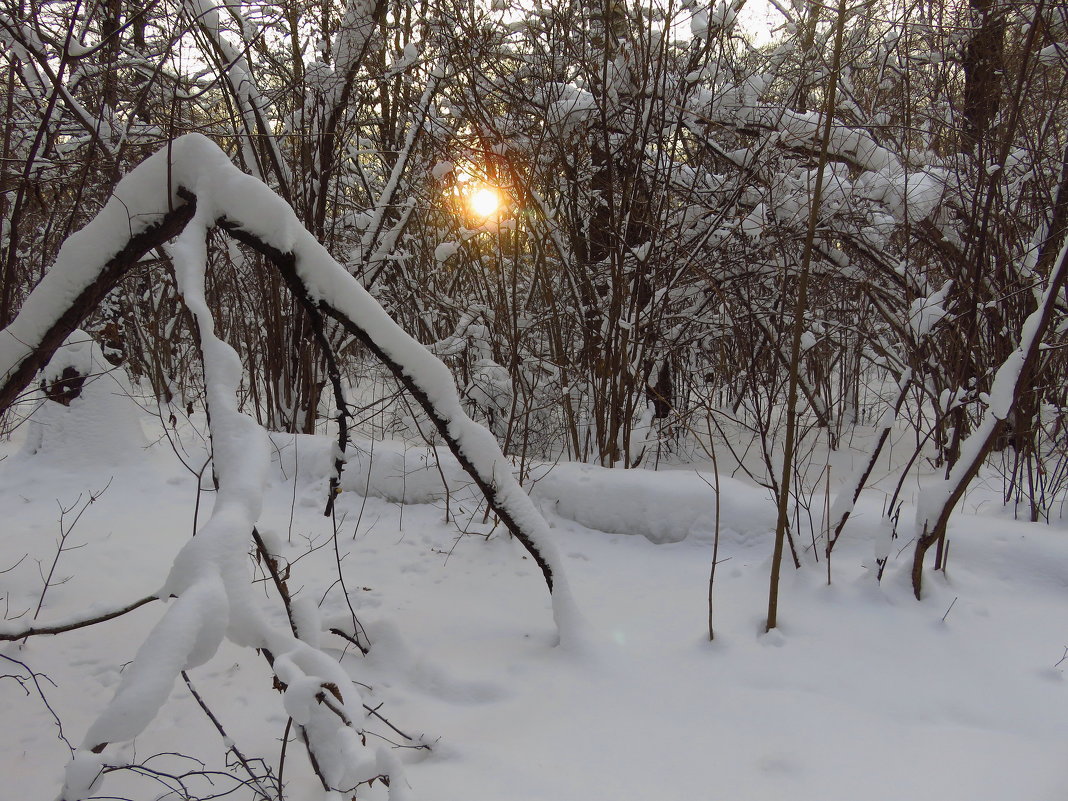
<point x="485" y="201"/>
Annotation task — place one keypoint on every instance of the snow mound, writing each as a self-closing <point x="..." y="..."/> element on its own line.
<point x="99" y="426"/>
<point x="386" y="469"/>
<point x="393" y="472"/>
<point x="663" y="506"/>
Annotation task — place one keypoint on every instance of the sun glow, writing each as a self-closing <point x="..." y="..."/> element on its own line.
<point x="484" y="201"/>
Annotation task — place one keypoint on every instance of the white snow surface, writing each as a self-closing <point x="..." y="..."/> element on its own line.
<point x="972" y="701"/>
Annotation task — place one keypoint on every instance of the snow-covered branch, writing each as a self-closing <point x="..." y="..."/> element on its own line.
<point x="936" y="502"/>
<point x="186" y="189"/>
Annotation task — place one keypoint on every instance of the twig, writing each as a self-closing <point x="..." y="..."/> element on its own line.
<point x="200" y="489"/>
<point x="947" y="611"/>
<point x="715" y="542"/>
<point x="279" y="582"/>
<point x="374" y="711"/>
<point x="366" y="490"/>
<point x="357" y="626"/>
<point x="349" y="638"/>
<point x="64" y="532"/>
<point x="282" y="754"/>
<point x="33" y="676"/>
<point x="19" y="562"/>
<point x="178" y="784"/>
<point x="255" y="781"/>
<point x="59" y="628"/>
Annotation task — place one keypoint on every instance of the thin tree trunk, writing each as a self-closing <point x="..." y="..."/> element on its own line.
<point x="798" y="326"/>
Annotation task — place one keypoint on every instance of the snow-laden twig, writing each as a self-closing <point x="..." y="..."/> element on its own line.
<point x="376" y="245"/>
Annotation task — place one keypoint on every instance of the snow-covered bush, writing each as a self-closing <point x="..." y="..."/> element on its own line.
<point x="86" y="409"/>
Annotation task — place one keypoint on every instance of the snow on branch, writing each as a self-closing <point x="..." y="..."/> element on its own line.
<point x="253" y="108"/>
<point x="320" y="282"/>
<point x="90" y="263"/>
<point x="186" y="189"/>
<point x="937" y="501"/>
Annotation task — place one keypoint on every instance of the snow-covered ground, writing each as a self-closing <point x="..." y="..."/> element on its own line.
<point x="862" y="693"/>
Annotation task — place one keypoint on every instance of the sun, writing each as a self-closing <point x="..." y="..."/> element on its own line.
<point x="484" y="201"/>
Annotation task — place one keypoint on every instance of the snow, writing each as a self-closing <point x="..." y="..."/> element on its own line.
<point x="81" y="773"/>
<point x="408" y="56"/>
<point x="209" y="576"/>
<point x="663" y="507"/>
<point x="699" y="24"/>
<point x="462" y="651"/>
<point x="445" y="251"/>
<point x="908" y="194"/>
<point x="568" y="105"/>
<point x="76" y="48"/>
<point x="964" y="688"/>
<point x="753" y="224"/>
<point x="99" y="427"/>
<point x="1053" y="54"/>
<point x="187" y="636"/>
<point x="925" y="313"/>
